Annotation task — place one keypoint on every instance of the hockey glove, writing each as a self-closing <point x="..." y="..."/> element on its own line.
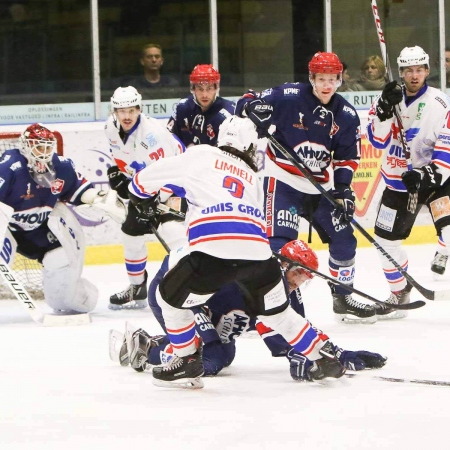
<point x="346" y="199"/>
<point x="360" y="360"/>
<point x="392" y="95"/>
<point x="260" y="113"/>
<point x="118" y="181"/>
<point x="146" y="208"/>
<point x="105" y="201"/>
<point x="427" y="177"/>
<point x="299" y="366"/>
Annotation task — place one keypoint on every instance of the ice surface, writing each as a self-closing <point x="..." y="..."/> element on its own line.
<point x="59" y="389"/>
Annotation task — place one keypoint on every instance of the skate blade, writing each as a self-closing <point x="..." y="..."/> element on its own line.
<point x="398" y="314"/>
<point x="350" y="319"/>
<point x="182" y="383"/>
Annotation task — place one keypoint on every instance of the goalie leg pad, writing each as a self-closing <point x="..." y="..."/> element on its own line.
<point x="64" y="290"/>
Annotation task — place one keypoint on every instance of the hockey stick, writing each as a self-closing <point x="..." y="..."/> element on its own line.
<point x="300" y="165"/>
<point x="400" y="380"/>
<point x="28" y="303"/>
<point x="159" y="237"/>
<point x="167" y="209"/>
<point x="412" y="305"/>
<point x="413" y="197"/>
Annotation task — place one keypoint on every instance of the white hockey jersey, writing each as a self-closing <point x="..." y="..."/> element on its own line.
<point x="426" y="120"/>
<point x="148" y="141"/>
<point x="225" y="217"/>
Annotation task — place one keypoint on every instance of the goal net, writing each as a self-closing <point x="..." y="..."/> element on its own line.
<point x="28" y="271"/>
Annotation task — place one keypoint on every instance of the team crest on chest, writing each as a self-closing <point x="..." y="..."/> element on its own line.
<point x="57" y="186"/>
<point x="210" y="131"/>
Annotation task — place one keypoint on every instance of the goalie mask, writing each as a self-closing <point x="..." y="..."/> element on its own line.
<point x="38" y="144"/>
<point x="412" y="56"/>
<point x="126" y="97"/>
<point x="299" y="251"/>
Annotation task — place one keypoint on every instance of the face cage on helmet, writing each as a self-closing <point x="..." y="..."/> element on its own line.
<point x="39" y="156"/>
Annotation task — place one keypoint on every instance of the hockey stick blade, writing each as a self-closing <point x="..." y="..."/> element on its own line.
<point x="408" y="306"/>
<point x="402" y="380"/>
<point x="427" y="293"/>
<point x="65" y="320"/>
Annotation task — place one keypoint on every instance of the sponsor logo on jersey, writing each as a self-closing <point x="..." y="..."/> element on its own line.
<point x="349" y="110"/>
<point x="57" y="186"/>
<point x="291" y="91"/>
<point x="143" y="144"/>
<point x="419" y="110"/>
<point x="31" y="219"/>
<point x="5" y="159"/>
<point x="288" y="218"/>
<point x="151" y="139"/>
<point x="266" y="92"/>
<point x="28" y="195"/>
<point x="232" y="324"/>
<point x="300" y="124"/>
<point x="203" y="321"/>
<point x="2" y="181"/>
<point x="17" y="165"/>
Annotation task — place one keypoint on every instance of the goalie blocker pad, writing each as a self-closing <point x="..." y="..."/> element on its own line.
<point x="196" y="277"/>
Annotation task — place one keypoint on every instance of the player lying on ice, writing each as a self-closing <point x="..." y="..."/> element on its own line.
<point x="227" y="244"/>
<point x="223" y="319"/>
<point x="34" y="221"/>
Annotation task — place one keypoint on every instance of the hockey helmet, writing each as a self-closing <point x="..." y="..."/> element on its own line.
<point x="237" y="132"/>
<point x="38" y="144"/>
<point x="204" y="73"/>
<point x="324" y="62"/>
<point x="300" y="251"/>
<point x="412" y="56"/>
<point x="126" y="97"/>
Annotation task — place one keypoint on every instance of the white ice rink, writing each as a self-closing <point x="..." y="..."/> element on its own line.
<point x="59" y="389"/>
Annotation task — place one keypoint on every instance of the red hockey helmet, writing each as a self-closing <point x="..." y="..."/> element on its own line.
<point x="300" y="251"/>
<point x="324" y="62"/>
<point x="38" y="145"/>
<point x="204" y="73"/>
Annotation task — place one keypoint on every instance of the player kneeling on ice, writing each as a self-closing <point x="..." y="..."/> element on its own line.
<point x="224" y="319"/>
<point x="34" y="221"/>
<point x="227" y="243"/>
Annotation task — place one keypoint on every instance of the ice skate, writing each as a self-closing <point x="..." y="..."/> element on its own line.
<point x="347" y="309"/>
<point x="180" y="372"/>
<point x="133" y="297"/>
<point x="326" y="367"/>
<point x="438" y="265"/>
<point x="396" y="298"/>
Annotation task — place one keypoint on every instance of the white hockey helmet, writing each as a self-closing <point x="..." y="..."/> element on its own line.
<point x="126" y="97"/>
<point x="412" y="56"/>
<point x="237" y="132"/>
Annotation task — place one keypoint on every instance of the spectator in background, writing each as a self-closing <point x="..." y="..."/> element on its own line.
<point x="345" y="79"/>
<point x="373" y="76"/>
<point x="151" y="60"/>
<point x="434" y="80"/>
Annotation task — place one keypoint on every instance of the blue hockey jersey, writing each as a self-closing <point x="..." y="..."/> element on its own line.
<point x="325" y="137"/>
<point x="193" y="126"/>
